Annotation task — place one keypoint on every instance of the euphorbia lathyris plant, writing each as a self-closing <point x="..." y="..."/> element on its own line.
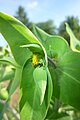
<point x="46" y="69"/>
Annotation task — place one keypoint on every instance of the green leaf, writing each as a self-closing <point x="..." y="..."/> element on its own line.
<point x="53" y="115"/>
<point x="49" y="89"/>
<point x="65" y="118"/>
<point x="40" y="78"/>
<point x="40" y="34"/>
<point x="16" y="34"/>
<point x="30" y="107"/>
<point x="30" y="101"/>
<point x="74" y="42"/>
<point x="16" y="80"/>
<point x="10" y="74"/>
<point x="7" y="75"/>
<point x="55" y="46"/>
<point x="9" y="60"/>
<point x="55" y="80"/>
<point x="3" y="108"/>
<point x="68" y="72"/>
<point x="33" y="47"/>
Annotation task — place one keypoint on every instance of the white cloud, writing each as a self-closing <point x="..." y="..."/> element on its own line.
<point x="32" y="5"/>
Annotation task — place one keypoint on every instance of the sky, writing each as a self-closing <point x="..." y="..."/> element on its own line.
<point x="42" y="10"/>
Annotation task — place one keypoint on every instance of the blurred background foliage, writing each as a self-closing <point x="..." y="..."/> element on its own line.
<point x="49" y="26"/>
<point x="74" y="25"/>
<point x="11" y="108"/>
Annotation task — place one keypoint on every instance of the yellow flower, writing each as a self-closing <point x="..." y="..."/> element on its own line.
<point x="35" y="59"/>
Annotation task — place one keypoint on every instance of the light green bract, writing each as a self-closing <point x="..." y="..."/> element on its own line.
<point x="74" y="42"/>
